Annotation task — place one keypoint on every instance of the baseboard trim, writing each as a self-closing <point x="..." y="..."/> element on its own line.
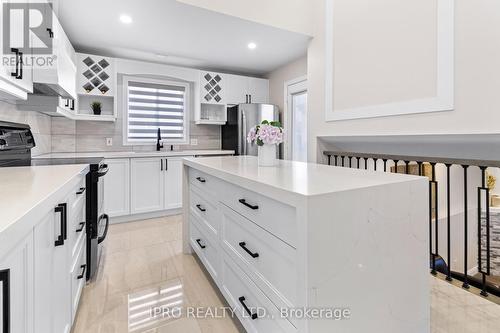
<point x="144" y="216"/>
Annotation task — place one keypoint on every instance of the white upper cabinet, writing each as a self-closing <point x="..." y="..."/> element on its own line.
<point x="244" y="89"/>
<point x="212" y="87"/>
<point x="96" y="75"/>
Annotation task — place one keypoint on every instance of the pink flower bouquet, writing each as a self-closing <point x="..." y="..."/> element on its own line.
<point x="267" y="133"/>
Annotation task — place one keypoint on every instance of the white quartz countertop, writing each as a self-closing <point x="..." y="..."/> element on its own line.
<point x="127" y="154"/>
<point x="23" y="189"/>
<point x="304" y="179"/>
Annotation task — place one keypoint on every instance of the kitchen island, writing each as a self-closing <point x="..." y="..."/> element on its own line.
<point x="311" y="248"/>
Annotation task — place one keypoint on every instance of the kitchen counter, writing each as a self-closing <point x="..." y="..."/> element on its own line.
<point x="308" y="236"/>
<point x="26" y="190"/>
<point x="131" y="154"/>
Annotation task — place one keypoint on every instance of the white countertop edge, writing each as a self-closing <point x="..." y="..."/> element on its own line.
<point x="274" y="191"/>
<point x="131" y="154"/>
<point x="13" y="231"/>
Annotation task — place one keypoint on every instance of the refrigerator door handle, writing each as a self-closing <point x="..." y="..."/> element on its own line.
<point x="245" y="132"/>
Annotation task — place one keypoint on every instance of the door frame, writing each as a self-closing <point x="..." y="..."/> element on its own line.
<point x="300" y="84"/>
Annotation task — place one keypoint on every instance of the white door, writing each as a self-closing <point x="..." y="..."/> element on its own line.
<point x="173" y="183"/>
<point x="146" y="185"/>
<point x="296" y="120"/>
<point x="16" y="286"/>
<point x="117" y="187"/>
<point x="52" y="277"/>
<point x="258" y="90"/>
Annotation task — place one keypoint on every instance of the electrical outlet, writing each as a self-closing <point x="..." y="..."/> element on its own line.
<point x="194" y="142"/>
<point x="109" y="142"/>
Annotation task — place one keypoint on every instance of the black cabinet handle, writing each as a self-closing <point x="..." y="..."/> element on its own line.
<point x="252" y="315"/>
<point x="161" y="163"/>
<point x="243" y="246"/>
<point x="67" y="103"/>
<point x="166" y="164"/>
<point x="82" y="225"/>
<point x="201" y="208"/>
<point x="199" y="243"/>
<point x="81" y="190"/>
<point x="16" y="73"/>
<point x="51" y="33"/>
<point x="244" y="202"/>
<point x="83" y="267"/>
<point x="201" y="180"/>
<point x="250" y="98"/>
<point x="61" y="208"/>
<point x="21" y="63"/>
<point x="5" y="279"/>
<point x="72" y="108"/>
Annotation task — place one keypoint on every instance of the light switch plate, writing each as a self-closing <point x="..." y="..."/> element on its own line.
<point x="109" y="142"/>
<point x="194" y="142"/>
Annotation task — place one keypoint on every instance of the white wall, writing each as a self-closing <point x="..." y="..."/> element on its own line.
<point x="477" y="86"/>
<point x="293" y="15"/>
<point x="278" y="77"/>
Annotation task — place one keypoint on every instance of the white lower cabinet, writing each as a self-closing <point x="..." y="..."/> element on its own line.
<point x="117" y="187"/>
<point x="146" y="185"/>
<point x="52" y="284"/>
<point x="16" y="288"/>
<point x="155" y="184"/>
<point x="41" y="278"/>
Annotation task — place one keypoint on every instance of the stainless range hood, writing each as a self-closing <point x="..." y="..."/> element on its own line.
<point x="50" y="89"/>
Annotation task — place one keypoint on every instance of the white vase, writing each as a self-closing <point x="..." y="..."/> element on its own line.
<point x="267" y="155"/>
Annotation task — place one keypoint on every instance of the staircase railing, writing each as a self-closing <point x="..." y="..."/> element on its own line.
<point x="426" y="166"/>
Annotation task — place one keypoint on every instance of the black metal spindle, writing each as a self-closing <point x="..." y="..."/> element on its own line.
<point x="375" y="160"/>
<point x="350" y="161"/>
<point x="335" y="156"/>
<point x="366" y="163"/>
<point x="396" y="166"/>
<point x="385" y="164"/>
<point x="434" y="184"/>
<point x="466" y="231"/>
<point x="407" y="167"/>
<point x="329" y="159"/>
<point x="448" y="221"/>
<point x="419" y="168"/>
<point x="483" y="272"/>
<point x="342" y="159"/>
<point x="357" y="163"/>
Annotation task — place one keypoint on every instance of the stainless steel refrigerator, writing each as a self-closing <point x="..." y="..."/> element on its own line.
<point x="240" y="119"/>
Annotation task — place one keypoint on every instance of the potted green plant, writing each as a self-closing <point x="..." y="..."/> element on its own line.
<point x="96" y="107"/>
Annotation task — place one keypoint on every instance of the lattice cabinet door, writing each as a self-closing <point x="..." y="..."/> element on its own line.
<point x="212" y="88"/>
<point x="96" y="75"/>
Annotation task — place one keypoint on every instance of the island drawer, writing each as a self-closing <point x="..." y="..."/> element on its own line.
<point x="255" y="311"/>
<point x="76" y="231"/>
<point x="273" y="216"/>
<point x="77" y="197"/>
<point x="269" y="262"/>
<point x="206" y="248"/>
<point x="203" y="181"/>
<point x="205" y="210"/>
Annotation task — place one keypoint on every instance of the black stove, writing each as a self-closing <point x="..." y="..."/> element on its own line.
<point x="16" y="142"/>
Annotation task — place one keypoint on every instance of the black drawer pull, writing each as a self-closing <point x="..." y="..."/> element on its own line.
<point x="201" y="180"/>
<point x="252" y="315"/>
<point x="244" y="202"/>
<point x="83" y="267"/>
<point x="5" y="279"/>
<point x="199" y="243"/>
<point x="243" y="246"/>
<point x="81" y="190"/>
<point x="82" y="226"/>
<point x="61" y="208"/>
<point x="201" y="208"/>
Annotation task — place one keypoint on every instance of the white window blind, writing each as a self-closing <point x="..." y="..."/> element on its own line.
<point x="153" y="105"/>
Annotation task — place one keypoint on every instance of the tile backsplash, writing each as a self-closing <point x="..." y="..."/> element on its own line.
<point x="40" y="125"/>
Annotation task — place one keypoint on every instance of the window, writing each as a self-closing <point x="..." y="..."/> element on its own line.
<point x="152" y="104"/>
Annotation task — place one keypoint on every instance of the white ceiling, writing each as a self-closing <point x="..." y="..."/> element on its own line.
<point x="166" y="31"/>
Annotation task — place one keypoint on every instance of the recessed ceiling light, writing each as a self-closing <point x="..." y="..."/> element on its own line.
<point x="125" y="19"/>
<point x="252" y="46"/>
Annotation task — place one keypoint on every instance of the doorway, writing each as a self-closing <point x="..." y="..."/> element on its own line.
<point x="296" y="119"/>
